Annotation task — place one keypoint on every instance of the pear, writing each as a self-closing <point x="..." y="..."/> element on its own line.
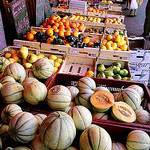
<point x="117" y="76"/>
<point x="101" y="75"/>
<point x="110" y="78"/>
<point x="117" y="64"/>
<point x="127" y="78"/>
<point x="101" y="68"/>
<point x="109" y="68"/>
<point x="116" y="69"/>
<point x="123" y="72"/>
<point x="108" y="73"/>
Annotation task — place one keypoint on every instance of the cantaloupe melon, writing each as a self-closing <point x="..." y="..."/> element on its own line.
<point x="7" y="79"/>
<point x="28" y="80"/>
<point x="118" y="146"/>
<point x="3" y="130"/>
<point x="4" y="62"/>
<point x="74" y="91"/>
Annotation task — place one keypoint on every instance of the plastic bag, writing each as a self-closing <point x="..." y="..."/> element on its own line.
<point x="133" y="4"/>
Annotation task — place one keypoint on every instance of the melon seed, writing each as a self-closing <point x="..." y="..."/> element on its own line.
<point x="102" y="99"/>
<point x="124" y="111"/>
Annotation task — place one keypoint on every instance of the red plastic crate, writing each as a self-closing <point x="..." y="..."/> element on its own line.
<point x="112" y="84"/>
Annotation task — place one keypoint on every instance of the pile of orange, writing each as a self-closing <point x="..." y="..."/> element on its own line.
<point x="63" y="7"/>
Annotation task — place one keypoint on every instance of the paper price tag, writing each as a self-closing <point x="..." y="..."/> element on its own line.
<point x="74" y="51"/>
<point x="17" y="44"/>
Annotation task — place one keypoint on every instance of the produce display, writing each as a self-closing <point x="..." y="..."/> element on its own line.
<point x="118" y="42"/>
<point x="95" y="30"/>
<point x="91" y="9"/>
<point x="77" y="17"/>
<point x="115" y="31"/>
<point x="107" y="1"/>
<point x="95" y="19"/>
<point x="114" y="20"/>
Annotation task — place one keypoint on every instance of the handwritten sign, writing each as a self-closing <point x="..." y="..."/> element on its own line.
<point x="39" y="12"/>
<point x="48" y="9"/>
<point x="2" y="35"/>
<point x="20" y="17"/>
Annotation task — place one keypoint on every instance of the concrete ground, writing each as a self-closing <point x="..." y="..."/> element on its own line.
<point x="134" y="25"/>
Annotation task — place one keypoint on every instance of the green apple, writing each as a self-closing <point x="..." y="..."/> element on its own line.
<point x="23" y="52"/>
<point x="117" y="76"/>
<point x="123" y="72"/>
<point x="101" y="68"/>
<point x="116" y="69"/>
<point x="121" y="32"/>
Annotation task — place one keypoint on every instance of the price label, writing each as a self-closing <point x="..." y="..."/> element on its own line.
<point x="74" y="51"/>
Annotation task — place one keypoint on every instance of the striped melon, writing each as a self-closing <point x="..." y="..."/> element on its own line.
<point x="131" y="97"/>
<point x="58" y="130"/>
<point x="23" y="127"/>
<point x="83" y="98"/>
<point x="58" y="97"/>
<point x="35" y="93"/>
<point x="95" y="138"/>
<point x="40" y="118"/>
<point x="138" y="89"/>
<point x="3" y="130"/>
<point x="74" y="91"/>
<point x="82" y="117"/>
<point x="37" y="144"/>
<point x="1" y="86"/>
<point x="138" y="140"/>
<point x="7" y="79"/>
<point x="29" y="73"/>
<point x="16" y="71"/>
<point x="10" y="111"/>
<point x="1" y="145"/>
<point x="4" y="62"/>
<point x="12" y="93"/>
<point x="142" y="116"/>
<point x="101" y="88"/>
<point x="43" y="68"/>
<point x="118" y="146"/>
<point x="18" y="148"/>
<point x="28" y="80"/>
<point x="86" y="83"/>
<point x="100" y="115"/>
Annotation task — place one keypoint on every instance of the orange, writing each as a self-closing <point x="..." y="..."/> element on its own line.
<point x="81" y="27"/>
<point x="73" y="25"/>
<point x="90" y="44"/>
<point x="41" y="26"/>
<point x="77" y="24"/>
<point x="75" y="33"/>
<point x="66" y="23"/>
<point x="61" y="26"/>
<point x="48" y="26"/>
<point x="61" y="34"/>
<point x="67" y="33"/>
<point x="68" y="28"/>
<point x="43" y="30"/>
<point x="77" y="29"/>
<point x="57" y="19"/>
<point x="35" y="40"/>
<point x="54" y="27"/>
<point x="90" y="9"/>
<point x="56" y="30"/>
<point x="89" y="73"/>
<point x="30" y="37"/>
<point x="49" y="32"/>
<point x="94" y="10"/>
<point x="86" y="40"/>
<point x="97" y="11"/>
<point x="56" y="24"/>
<point x="63" y="19"/>
<point x="51" y="22"/>
<point x="44" y="24"/>
<point x="53" y="18"/>
<point x="33" y="32"/>
<point x="49" y="40"/>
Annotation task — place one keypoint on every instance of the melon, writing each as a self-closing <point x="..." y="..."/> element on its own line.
<point x="37" y="144"/>
<point x="1" y="145"/>
<point x="58" y="97"/>
<point x="35" y="93"/>
<point x="12" y="93"/>
<point x="86" y="83"/>
<point x="101" y="88"/>
<point x="7" y="79"/>
<point x="23" y="127"/>
<point x="58" y="130"/>
<point x="28" y="80"/>
<point x="10" y="111"/>
<point x="102" y="100"/>
<point x="43" y="68"/>
<point x="123" y="112"/>
<point x="16" y="71"/>
<point x="74" y="91"/>
<point x="40" y="118"/>
<point x="138" y="140"/>
<point x="100" y="115"/>
<point x="3" y="130"/>
<point x="142" y="116"/>
<point x="82" y="117"/>
<point x="118" y="146"/>
<point x="83" y="98"/>
<point x="94" y="138"/>
<point x="18" y="148"/>
<point x="139" y="89"/>
<point x="4" y="62"/>
<point x="29" y="73"/>
<point x="131" y="97"/>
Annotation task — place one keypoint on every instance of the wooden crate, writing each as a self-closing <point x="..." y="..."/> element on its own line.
<point x="115" y="7"/>
<point x="112" y="85"/>
<point x="77" y="64"/>
<point x="114" y="12"/>
<point x="80" y="21"/>
<point x="56" y="48"/>
<point x="108" y="62"/>
<point x="110" y="30"/>
<point x="77" y="12"/>
<point x="37" y="29"/>
<point x="29" y="44"/>
<point x="103" y="15"/>
<point x="116" y="16"/>
<point x="96" y="23"/>
<point x="56" y="9"/>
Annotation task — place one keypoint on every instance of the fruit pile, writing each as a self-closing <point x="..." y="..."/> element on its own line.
<point x="115" y="31"/>
<point x="95" y="19"/>
<point x="77" y="17"/>
<point x="114" y="20"/>
<point x="117" y="42"/>
<point x="105" y="1"/>
<point x="63" y="7"/>
<point x="114" y="71"/>
<point x="27" y="58"/>
<point x="94" y="30"/>
<point x="90" y="102"/>
<point x="91" y="9"/>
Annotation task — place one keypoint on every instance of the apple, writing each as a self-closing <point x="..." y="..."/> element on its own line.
<point x="16" y="57"/>
<point x="23" y="52"/>
<point x="12" y="51"/>
<point x="12" y="60"/>
<point x="7" y="55"/>
<point x="27" y="65"/>
<point x="40" y="56"/>
<point x="123" y="72"/>
<point x="31" y="58"/>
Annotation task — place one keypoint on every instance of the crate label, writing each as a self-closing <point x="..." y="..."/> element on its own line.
<point x="18" y="44"/>
<point x="74" y="51"/>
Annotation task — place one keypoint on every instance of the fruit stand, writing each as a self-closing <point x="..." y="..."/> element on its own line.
<point x="72" y="81"/>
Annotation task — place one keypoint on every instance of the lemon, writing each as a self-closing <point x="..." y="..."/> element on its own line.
<point x="55" y="69"/>
<point x="53" y="57"/>
<point x="58" y="60"/>
<point x="109" y="37"/>
<point x="56" y="64"/>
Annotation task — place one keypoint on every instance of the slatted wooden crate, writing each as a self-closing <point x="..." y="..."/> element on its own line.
<point x="110" y="30"/>
<point x="103" y="15"/>
<point x="55" y="9"/>
<point x="77" y="64"/>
